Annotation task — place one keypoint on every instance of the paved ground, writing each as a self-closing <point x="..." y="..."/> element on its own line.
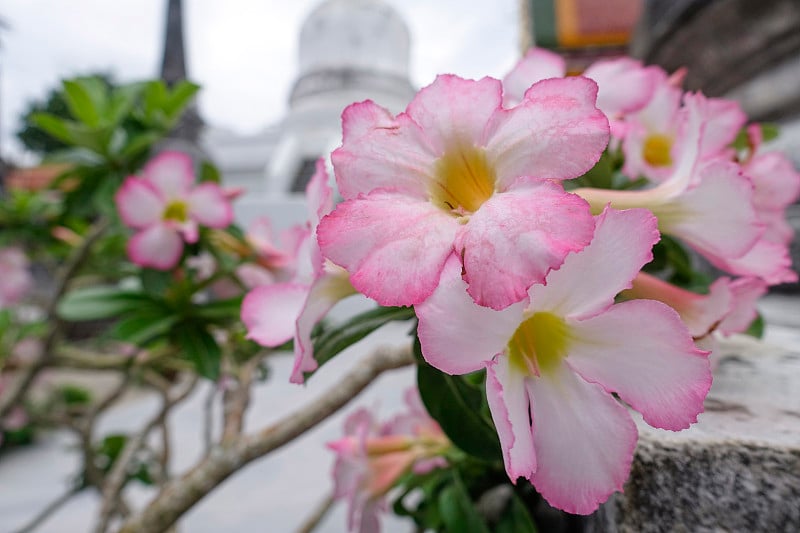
<point x="271" y="495"/>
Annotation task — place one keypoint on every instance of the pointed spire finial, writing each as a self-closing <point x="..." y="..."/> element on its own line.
<point x="173" y="70"/>
<point x="173" y="64"/>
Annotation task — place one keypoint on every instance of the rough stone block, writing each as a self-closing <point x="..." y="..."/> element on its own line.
<point x="737" y="469"/>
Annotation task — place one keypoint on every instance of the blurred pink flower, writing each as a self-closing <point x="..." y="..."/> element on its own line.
<point x="624" y="85"/>
<point x="15" y="276"/>
<point x="167" y="208"/>
<point x="776" y="185"/>
<point x="26" y="350"/>
<point x="276" y="313"/>
<point x="370" y="458"/>
<point x="729" y="307"/>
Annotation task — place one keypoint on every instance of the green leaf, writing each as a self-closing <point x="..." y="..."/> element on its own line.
<point x="75" y="156"/>
<point x="678" y="258"/>
<point x="54" y="126"/>
<point x="458" y="511"/>
<point x="180" y="96"/>
<point x="515" y="519"/>
<point x="332" y="340"/>
<point x="73" y="395"/>
<point x="156" y="282"/>
<point x="756" y="327"/>
<point x="95" y="303"/>
<point x="741" y="142"/>
<point x="209" y="172"/>
<point x="199" y="347"/>
<point x="458" y="408"/>
<point x="144" y="326"/>
<point x="138" y="144"/>
<point x="121" y="102"/>
<point x="220" y="309"/>
<point x="155" y="96"/>
<point x="80" y="102"/>
<point x="769" y="131"/>
<point x="600" y="175"/>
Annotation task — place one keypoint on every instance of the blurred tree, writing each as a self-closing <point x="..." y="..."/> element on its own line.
<point x="35" y="138"/>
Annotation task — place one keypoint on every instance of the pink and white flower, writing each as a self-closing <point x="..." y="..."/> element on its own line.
<point x="652" y="143"/>
<point x="776" y="185"/>
<point x="624" y="85"/>
<point x="536" y="65"/>
<point x="371" y="458"/>
<point x="277" y="260"/>
<point x="729" y="307"/>
<point x="276" y="313"/>
<point x="708" y="204"/>
<point x="554" y="360"/>
<point x="15" y="277"/>
<point x="167" y="209"/>
<point x="458" y="172"/>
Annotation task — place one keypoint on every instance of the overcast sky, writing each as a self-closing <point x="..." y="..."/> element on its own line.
<point x="243" y="52"/>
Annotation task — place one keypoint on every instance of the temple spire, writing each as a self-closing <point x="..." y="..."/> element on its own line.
<point x="173" y="70"/>
<point x="173" y="64"/>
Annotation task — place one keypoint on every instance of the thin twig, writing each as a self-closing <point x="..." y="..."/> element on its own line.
<point x="72" y="357"/>
<point x="236" y="399"/>
<point x="17" y="388"/>
<point x="315" y="518"/>
<point x="181" y="494"/>
<point x="208" y="419"/>
<point x="51" y="508"/>
<point x="112" y="397"/>
<point x="165" y="455"/>
<point x="115" y="480"/>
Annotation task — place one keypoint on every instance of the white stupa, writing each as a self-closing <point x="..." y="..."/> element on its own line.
<point x="350" y="50"/>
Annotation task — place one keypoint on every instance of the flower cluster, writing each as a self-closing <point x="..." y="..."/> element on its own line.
<point x="464" y="207"/>
<point x="371" y="458"/>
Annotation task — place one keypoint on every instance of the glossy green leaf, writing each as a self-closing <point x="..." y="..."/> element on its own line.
<point x="143" y="326"/>
<point x="334" y="339"/>
<point x="220" y="309"/>
<point x="81" y="103"/>
<point x="54" y="126"/>
<point x="756" y="327"/>
<point x="121" y="102"/>
<point x="209" y="172"/>
<point x="458" y="408"/>
<point x="458" y="511"/>
<point x="180" y="96"/>
<point x="138" y="144"/>
<point x="95" y="303"/>
<point x="199" y="346"/>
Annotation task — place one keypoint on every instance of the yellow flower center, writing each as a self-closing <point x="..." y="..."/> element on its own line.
<point x="177" y="211"/>
<point x="464" y="180"/>
<point x="539" y="344"/>
<point x="657" y="149"/>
